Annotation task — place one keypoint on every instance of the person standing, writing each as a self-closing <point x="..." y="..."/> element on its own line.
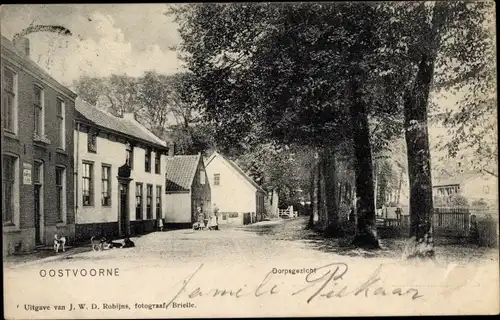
<point x="216" y="218"/>
<point x="201" y="218"/>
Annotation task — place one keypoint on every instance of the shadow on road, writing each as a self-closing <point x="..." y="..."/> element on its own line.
<point x="296" y="230"/>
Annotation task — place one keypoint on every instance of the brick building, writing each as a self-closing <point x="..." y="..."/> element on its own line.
<point x="37" y="151"/>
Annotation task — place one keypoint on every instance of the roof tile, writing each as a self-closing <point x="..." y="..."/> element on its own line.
<point x="180" y="171"/>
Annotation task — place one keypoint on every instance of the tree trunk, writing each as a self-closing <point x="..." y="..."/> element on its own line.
<point x="323" y="211"/>
<point x="421" y="242"/>
<point x="331" y="203"/>
<point x="376" y="191"/>
<point x="314" y="196"/>
<point x="366" y="236"/>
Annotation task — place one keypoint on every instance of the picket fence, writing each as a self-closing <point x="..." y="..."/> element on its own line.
<point x="448" y="222"/>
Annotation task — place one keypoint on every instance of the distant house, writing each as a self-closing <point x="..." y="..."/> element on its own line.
<point x="186" y="188"/>
<point x="472" y="185"/>
<point x="239" y="199"/>
<point x="120" y="185"/>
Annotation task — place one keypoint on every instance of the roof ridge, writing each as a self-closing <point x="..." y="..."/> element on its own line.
<point x="97" y="108"/>
<point x="102" y="118"/>
<point x="146" y="130"/>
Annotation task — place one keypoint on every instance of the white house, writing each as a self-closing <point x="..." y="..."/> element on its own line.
<point x="187" y="189"/>
<point x="120" y="175"/>
<point x="239" y="199"/>
<point x="472" y="185"/>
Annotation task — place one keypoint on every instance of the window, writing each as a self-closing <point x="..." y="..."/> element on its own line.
<point x="158" y="201"/>
<point x="202" y="177"/>
<point x="130" y="155"/>
<point x="147" y="161"/>
<point x="61" y="126"/>
<point x="149" y="201"/>
<point x="157" y="162"/>
<point x="37" y="173"/>
<point x="138" y="201"/>
<point x="38" y="109"/>
<point x="61" y="193"/>
<point x="8" y="187"/>
<point x="87" y="186"/>
<point x="9" y="104"/>
<point x="106" y="185"/>
<point x="216" y="179"/>
<point x="92" y="141"/>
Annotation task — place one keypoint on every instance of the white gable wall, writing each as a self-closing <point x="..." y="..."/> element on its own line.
<point x="235" y="193"/>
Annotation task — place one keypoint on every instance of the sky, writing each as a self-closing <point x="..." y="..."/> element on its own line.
<point x="114" y="39"/>
<point x="106" y="38"/>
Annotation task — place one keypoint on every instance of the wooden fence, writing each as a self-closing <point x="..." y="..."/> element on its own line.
<point x="446" y="222"/>
<point x="451" y="221"/>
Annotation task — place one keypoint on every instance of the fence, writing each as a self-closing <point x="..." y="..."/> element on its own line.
<point x="288" y="212"/>
<point x="451" y="221"/>
<point x="473" y="224"/>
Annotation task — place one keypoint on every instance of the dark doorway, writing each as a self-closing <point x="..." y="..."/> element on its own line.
<point x="124" y="223"/>
<point x="37" y="196"/>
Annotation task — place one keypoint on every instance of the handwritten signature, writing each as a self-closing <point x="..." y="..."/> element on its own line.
<point x="324" y="283"/>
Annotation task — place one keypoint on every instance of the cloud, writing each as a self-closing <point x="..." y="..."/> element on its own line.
<point x="102" y="43"/>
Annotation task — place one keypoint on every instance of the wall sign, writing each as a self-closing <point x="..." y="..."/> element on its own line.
<point x="26" y="176"/>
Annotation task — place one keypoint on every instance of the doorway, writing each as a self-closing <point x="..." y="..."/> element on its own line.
<point x="38" y="213"/>
<point x="38" y="178"/>
<point x="123" y="210"/>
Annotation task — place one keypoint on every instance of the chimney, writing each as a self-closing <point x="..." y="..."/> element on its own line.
<point x="171" y="149"/>
<point x="22" y="45"/>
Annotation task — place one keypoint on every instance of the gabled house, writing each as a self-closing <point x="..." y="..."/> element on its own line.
<point x="120" y="185"/>
<point x="240" y="200"/>
<point x="37" y="150"/>
<point x="187" y="188"/>
<point x="472" y="185"/>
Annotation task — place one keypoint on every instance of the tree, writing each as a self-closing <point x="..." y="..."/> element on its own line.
<point x="277" y="64"/>
<point x="154" y="95"/>
<point x="116" y="94"/>
<point x="89" y="89"/>
<point x="318" y="74"/>
<point x="436" y="36"/>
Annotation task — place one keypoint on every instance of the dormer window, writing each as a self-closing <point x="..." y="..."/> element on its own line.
<point x="92" y="141"/>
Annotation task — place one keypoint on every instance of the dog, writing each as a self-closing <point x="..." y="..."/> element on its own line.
<point x="199" y="226"/>
<point x="127" y="243"/>
<point x="108" y="244"/>
<point x="59" y="242"/>
<point x="98" y="243"/>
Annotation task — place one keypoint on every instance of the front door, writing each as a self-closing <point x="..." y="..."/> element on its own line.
<point x="123" y="209"/>
<point x="38" y="213"/>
